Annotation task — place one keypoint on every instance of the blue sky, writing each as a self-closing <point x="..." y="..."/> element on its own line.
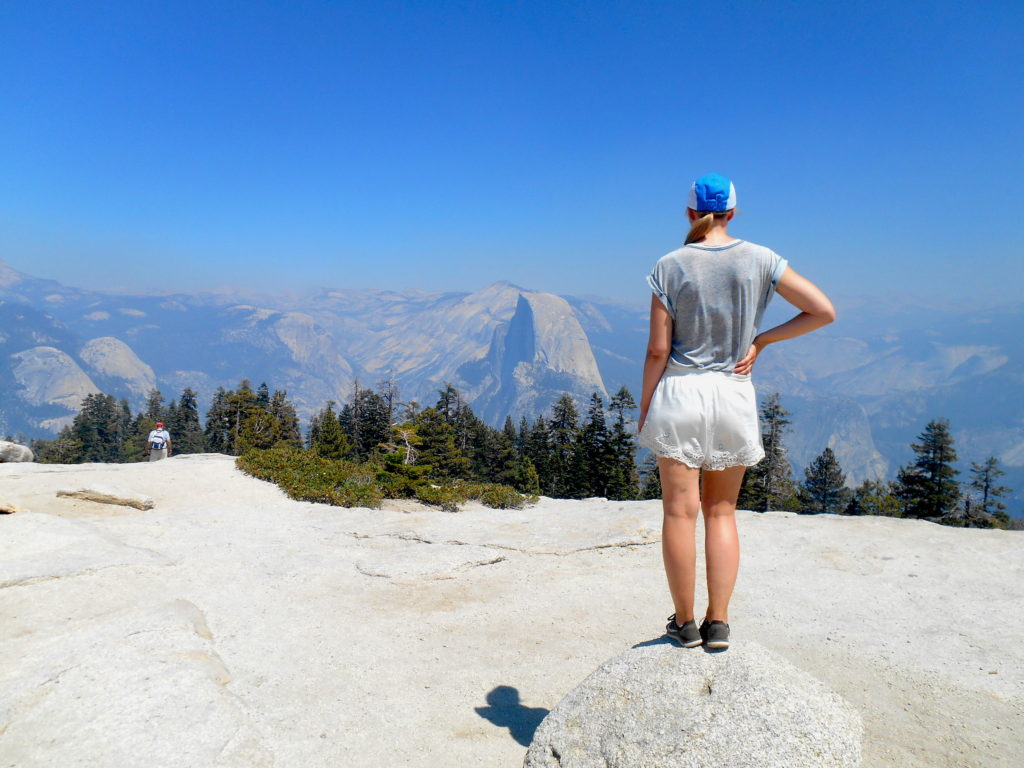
<point x="297" y="145"/>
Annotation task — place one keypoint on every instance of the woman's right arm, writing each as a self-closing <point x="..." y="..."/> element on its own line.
<point x="816" y="311"/>
<point x="659" y="347"/>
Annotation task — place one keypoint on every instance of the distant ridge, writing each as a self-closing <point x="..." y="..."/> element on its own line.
<point x="864" y="387"/>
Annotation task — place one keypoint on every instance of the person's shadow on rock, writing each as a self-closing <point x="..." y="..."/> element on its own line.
<point x="505" y="711"/>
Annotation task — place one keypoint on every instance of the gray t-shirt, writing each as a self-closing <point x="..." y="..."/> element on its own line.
<point x="717" y="295"/>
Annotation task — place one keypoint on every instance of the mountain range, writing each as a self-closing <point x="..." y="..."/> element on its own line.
<point x="864" y="386"/>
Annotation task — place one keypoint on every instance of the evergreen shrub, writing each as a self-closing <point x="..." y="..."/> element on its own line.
<point x="502" y="497"/>
<point x="447" y="496"/>
<point x="304" y="476"/>
<point x="396" y="479"/>
<point x="451" y="494"/>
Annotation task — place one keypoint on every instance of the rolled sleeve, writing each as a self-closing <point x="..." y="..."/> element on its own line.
<point x="655" y="283"/>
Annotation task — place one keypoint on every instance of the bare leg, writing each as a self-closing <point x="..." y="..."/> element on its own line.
<point x="721" y="539"/>
<point x="680" y="501"/>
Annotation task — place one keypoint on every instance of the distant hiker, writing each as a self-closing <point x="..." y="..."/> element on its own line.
<point x="698" y="411"/>
<point x="159" y="441"/>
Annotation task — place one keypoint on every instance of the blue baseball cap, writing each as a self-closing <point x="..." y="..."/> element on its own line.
<point x="712" y="192"/>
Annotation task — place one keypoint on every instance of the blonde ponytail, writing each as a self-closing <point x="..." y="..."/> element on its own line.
<point x="701" y="226"/>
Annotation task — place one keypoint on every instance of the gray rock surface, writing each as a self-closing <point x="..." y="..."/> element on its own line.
<point x="39" y="546"/>
<point x="12" y="452"/>
<point x="411" y="561"/>
<point x="136" y="688"/>
<point x="660" y="705"/>
<point x="230" y="623"/>
<point x="105" y="494"/>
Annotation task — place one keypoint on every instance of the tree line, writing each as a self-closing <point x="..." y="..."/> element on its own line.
<point x="105" y="429"/>
<point x="925" y="488"/>
<point x="562" y="454"/>
<point x="565" y="455"/>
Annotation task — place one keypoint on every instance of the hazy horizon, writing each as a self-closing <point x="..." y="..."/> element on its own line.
<point x="641" y="301"/>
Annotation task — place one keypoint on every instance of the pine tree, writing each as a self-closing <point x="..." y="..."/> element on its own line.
<point x="650" y="479"/>
<point x="186" y="432"/>
<point x="928" y="487"/>
<point x="258" y="431"/>
<point x="101" y="428"/>
<point x="242" y="414"/>
<point x="263" y="396"/>
<point x="506" y="463"/>
<point x="567" y="475"/>
<point x="595" y="452"/>
<point x="522" y="436"/>
<point x="218" y="434"/>
<point x="538" y="449"/>
<point x="875" y="497"/>
<point x="526" y="479"/>
<point x="448" y="402"/>
<point x="366" y="422"/>
<point x="622" y="482"/>
<point x="389" y="393"/>
<point x="154" y="408"/>
<point x="286" y="419"/>
<point x="989" y="512"/>
<point x="769" y="483"/>
<point x="437" y="447"/>
<point x="476" y="441"/>
<point x="326" y="437"/>
<point x="824" y="488"/>
<point x="313" y="432"/>
<point x="237" y="422"/>
<point x="64" y="449"/>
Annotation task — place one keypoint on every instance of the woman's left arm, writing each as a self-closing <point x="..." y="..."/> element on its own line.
<point x="659" y="347"/>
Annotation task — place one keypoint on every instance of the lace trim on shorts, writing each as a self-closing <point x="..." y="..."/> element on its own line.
<point x="748" y="455"/>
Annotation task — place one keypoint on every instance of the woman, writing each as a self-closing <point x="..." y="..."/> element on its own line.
<point x="698" y="412"/>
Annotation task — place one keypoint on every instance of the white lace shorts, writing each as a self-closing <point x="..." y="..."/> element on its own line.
<point x="705" y="419"/>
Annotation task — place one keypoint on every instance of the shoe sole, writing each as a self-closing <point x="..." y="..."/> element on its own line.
<point x="718" y="644"/>
<point x="691" y="644"/>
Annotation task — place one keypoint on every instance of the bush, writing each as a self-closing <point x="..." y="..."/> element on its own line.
<point x="305" y="476"/>
<point x="502" y="497"/>
<point x="447" y="497"/>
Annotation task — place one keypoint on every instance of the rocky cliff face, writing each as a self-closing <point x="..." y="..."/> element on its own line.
<point x="315" y="347"/>
<point x="113" y="360"/>
<point x="540" y="353"/>
<point x="424" y="339"/>
<point x="840" y="424"/>
<point x="48" y="376"/>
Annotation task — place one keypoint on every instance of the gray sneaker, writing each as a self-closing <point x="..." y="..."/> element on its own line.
<point x="715" y="634"/>
<point x="687" y="635"/>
